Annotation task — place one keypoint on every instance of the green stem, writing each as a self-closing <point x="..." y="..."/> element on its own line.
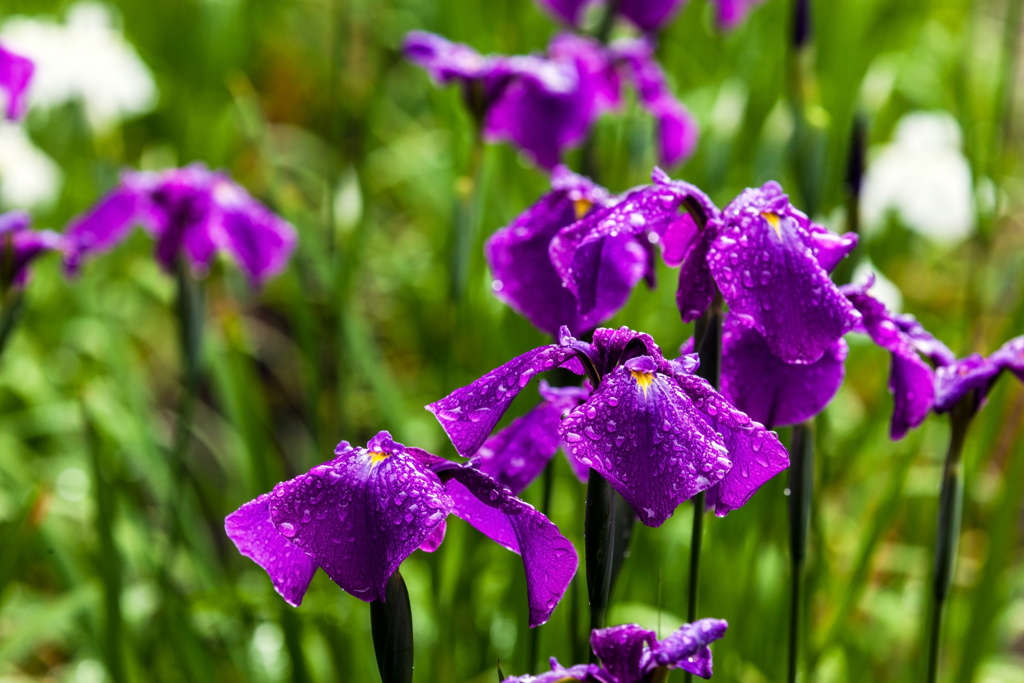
<point x="391" y="627"/>
<point x="696" y="539"/>
<point x="191" y="311"/>
<point x="599" y="541"/>
<point x="950" y="513"/>
<point x="801" y="489"/>
<point x="13" y="305"/>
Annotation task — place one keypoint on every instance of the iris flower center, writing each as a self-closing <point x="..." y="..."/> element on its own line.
<point x="376" y="457"/>
<point x="643" y="380"/>
<point x="582" y="208"/>
<point x="773" y="220"/>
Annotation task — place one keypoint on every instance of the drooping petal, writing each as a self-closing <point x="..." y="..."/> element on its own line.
<point x="103" y="227"/>
<point x="622" y="650"/>
<point x="435" y="539"/>
<point x="911" y="380"/>
<point x="765" y="267"/>
<point x="928" y="346"/>
<point x="549" y="558"/>
<point x="251" y="530"/>
<point x="649" y="15"/>
<point x="687" y="648"/>
<point x="444" y="60"/>
<point x="756" y="453"/>
<point x="524" y="277"/>
<point x="360" y="515"/>
<point x="769" y="390"/>
<point x="1010" y="356"/>
<point x="828" y="247"/>
<point x="696" y="285"/>
<point x="257" y="239"/>
<point x="15" y="75"/>
<point x="517" y="454"/>
<point x="643" y="434"/>
<point x="468" y="415"/>
<point x="954" y="382"/>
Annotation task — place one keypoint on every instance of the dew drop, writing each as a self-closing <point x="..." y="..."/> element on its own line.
<point x="287" y="530"/>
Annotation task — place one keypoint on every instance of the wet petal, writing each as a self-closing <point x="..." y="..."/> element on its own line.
<point x="517" y="454"/>
<point x="613" y="347"/>
<point x="549" y="559"/>
<point x="1011" y="357"/>
<point x="360" y="515"/>
<point x="643" y="434"/>
<point x="687" y="648"/>
<point x="435" y="539"/>
<point x="769" y="390"/>
<point x="756" y="453"/>
<point x="954" y="382"/>
<point x="468" y="415"/>
<point x="649" y="15"/>
<point x="767" y="272"/>
<point x="251" y="530"/>
<point x="621" y="650"/>
<point x="15" y="75"/>
<point x="696" y="285"/>
<point x="828" y="247"/>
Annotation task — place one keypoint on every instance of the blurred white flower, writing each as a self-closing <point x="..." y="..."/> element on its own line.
<point x="85" y="58"/>
<point x="924" y="178"/>
<point x="884" y="289"/>
<point x="28" y="177"/>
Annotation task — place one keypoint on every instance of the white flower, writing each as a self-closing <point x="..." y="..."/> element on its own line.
<point x="86" y="58"/>
<point x="924" y="178"/>
<point x="28" y="177"/>
<point x="884" y="289"/>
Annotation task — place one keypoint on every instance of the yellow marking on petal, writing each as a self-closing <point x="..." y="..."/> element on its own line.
<point x="643" y="380"/>
<point x="582" y="208"/>
<point x="773" y="220"/>
<point x="376" y="457"/>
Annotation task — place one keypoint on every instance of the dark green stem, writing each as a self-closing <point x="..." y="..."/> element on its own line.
<point x="599" y="539"/>
<point x="191" y="311"/>
<point x="391" y="626"/>
<point x="951" y="498"/>
<point x="801" y="490"/>
<point x="696" y="540"/>
<point x="13" y="305"/>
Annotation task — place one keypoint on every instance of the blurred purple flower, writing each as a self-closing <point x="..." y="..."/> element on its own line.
<point x="524" y="277"/>
<point x="545" y="105"/>
<point x="191" y="211"/>
<point x="361" y="514"/>
<point x="655" y="431"/>
<point x="19" y="246"/>
<point x="648" y="15"/>
<point x="15" y="76"/>
<point x="731" y="13"/>
<point x="631" y="654"/>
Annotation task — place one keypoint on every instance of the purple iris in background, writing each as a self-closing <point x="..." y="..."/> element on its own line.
<point x="650" y="15"/>
<point x="545" y="105"/>
<point x="524" y="277"/>
<point x="19" y="246"/>
<point x="632" y="654"/>
<point x="15" y="76"/>
<point x="361" y="514"/>
<point x="191" y="211"/>
<point x="657" y="433"/>
<point x="731" y="13"/>
<point x="976" y="373"/>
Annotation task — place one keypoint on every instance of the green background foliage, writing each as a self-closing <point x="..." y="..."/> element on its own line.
<point x="113" y="561"/>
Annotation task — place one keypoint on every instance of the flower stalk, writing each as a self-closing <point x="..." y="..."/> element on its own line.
<point x="191" y="311"/>
<point x="801" y="490"/>
<point x="391" y="625"/>
<point x="951" y="501"/>
<point x="599" y="539"/>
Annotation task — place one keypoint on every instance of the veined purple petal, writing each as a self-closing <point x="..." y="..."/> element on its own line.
<point x="696" y="285"/>
<point x="649" y="15"/>
<point x="103" y="227"/>
<point x="1010" y="356"/>
<point x="360" y="515"/>
<point x="251" y="530"/>
<point x="769" y="390"/>
<point x="15" y="75"/>
<point x="641" y="432"/>
<point x="622" y="651"/>
<point x="764" y="265"/>
<point x="259" y="241"/>
<point x="911" y="380"/>
<point x="756" y="453"/>
<point x="687" y="648"/>
<point x="549" y="558"/>
<point x="468" y="415"/>
<point x="524" y="277"/>
<point x="954" y="382"/>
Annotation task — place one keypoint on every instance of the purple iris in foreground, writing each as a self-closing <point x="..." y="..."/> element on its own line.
<point x="19" y="246"/>
<point x="658" y="433"/>
<point x="524" y="277"/>
<point x="632" y="654"/>
<point x="15" y="76"/>
<point x="545" y="105"/>
<point x="361" y="514"/>
<point x="193" y="212"/>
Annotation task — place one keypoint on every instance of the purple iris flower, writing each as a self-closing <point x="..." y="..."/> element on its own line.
<point x="976" y="373"/>
<point x="19" y="246"/>
<point x="15" y="76"/>
<point x="648" y="15"/>
<point x="658" y="433"/>
<point x="191" y="211"/>
<point x="544" y="105"/>
<point x="632" y="654"/>
<point x="524" y="277"/>
<point x="361" y="514"/>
